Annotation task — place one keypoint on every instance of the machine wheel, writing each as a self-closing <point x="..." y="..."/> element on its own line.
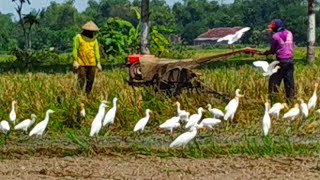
<point x="135" y="71"/>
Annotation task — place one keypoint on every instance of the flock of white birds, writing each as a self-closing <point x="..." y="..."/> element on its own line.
<point x="24" y="125"/>
<point x="192" y="122"/>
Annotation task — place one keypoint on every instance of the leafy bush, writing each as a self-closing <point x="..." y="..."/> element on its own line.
<point x="119" y="36"/>
<point x="43" y="57"/>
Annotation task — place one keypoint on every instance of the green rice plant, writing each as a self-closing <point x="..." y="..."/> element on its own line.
<point x="36" y="92"/>
<point x="83" y="145"/>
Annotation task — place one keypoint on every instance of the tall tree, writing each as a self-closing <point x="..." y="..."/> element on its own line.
<point x="7" y="32"/>
<point x="19" y="8"/>
<point x="59" y="23"/>
<point x="145" y="29"/>
<point x="311" y="31"/>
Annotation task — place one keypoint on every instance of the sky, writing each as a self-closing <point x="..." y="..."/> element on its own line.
<point x="6" y="6"/>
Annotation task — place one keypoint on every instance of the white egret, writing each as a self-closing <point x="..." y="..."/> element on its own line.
<point x="304" y="109"/>
<point x="313" y="100"/>
<point x="97" y="121"/>
<point x="141" y="124"/>
<point x="232" y="38"/>
<point x="182" y="113"/>
<point x="26" y="124"/>
<point x="209" y="122"/>
<point x="194" y="118"/>
<point x="276" y="108"/>
<point x="111" y="114"/>
<point x="217" y="113"/>
<point x="13" y="115"/>
<point x="266" y="121"/>
<point x="4" y="126"/>
<point x="231" y="108"/>
<point x="82" y="111"/>
<point x="171" y="124"/>
<point x="39" y="129"/>
<point x="185" y="138"/>
<point x="292" y="113"/>
<point x="268" y="69"/>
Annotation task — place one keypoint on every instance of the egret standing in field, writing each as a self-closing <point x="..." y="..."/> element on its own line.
<point x="184" y="138"/>
<point x="266" y="121"/>
<point x="313" y="100"/>
<point x="171" y="124"/>
<point x="111" y="114"/>
<point x="209" y="122"/>
<point x="39" y="129"/>
<point x="97" y="121"/>
<point x="194" y="118"/>
<point x="217" y="113"/>
<point x="232" y="38"/>
<point x="4" y="126"/>
<point x="304" y="109"/>
<point x="141" y="124"/>
<point x="292" y="113"/>
<point x="26" y="124"/>
<point x="276" y="108"/>
<point x="13" y="115"/>
<point x="182" y="113"/>
<point x="268" y="69"/>
<point x="232" y="106"/>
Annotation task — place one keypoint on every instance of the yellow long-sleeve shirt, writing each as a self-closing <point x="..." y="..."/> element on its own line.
<point x="86" y="50"/>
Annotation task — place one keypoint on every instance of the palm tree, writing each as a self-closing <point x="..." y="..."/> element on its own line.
<point x="311" y="31"/>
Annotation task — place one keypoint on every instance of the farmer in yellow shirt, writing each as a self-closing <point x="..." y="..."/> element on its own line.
<point x="86" y="55"/>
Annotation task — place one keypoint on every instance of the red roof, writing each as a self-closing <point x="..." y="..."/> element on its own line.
<point x="216" y="33"/>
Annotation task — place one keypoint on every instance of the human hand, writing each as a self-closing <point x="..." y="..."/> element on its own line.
<point x="75" y="65"/>
<point x="99" y="67"/>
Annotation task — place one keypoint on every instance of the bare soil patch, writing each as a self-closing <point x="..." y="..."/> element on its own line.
<point x="141" y="167"/>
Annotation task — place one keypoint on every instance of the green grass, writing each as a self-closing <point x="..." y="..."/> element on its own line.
<point x="37" y="92"/>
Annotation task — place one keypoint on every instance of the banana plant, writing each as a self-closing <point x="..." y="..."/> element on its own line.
<point x="119" y="36"/>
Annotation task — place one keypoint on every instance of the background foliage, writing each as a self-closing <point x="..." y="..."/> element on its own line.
<point x="58" y="23"/>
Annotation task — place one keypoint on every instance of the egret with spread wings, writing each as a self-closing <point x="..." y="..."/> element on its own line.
<point x="268" y="69"/>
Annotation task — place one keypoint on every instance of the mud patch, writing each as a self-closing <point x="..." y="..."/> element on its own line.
<point x="146" y="167"/>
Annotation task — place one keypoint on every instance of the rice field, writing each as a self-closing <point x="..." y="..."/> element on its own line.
<point x="68" y="134"/>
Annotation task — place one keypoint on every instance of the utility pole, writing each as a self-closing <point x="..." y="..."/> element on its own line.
<point x="145" y="29"/>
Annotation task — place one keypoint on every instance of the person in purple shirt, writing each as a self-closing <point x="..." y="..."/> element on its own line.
<point x="282" y="46"/>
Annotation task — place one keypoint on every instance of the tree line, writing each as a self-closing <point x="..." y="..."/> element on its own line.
<point x="56" y="25"/>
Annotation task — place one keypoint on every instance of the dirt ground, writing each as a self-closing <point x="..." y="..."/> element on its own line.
<point x="140" y="167"/>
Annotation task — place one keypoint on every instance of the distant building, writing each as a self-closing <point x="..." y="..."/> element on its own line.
<point x="212" y="35"/>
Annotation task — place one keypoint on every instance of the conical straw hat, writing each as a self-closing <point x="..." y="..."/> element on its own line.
<point x="90" y="26"/>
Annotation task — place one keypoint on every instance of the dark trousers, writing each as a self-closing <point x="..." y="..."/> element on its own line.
<point x="86" y="75"/>
<point x="286" y="73"/>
